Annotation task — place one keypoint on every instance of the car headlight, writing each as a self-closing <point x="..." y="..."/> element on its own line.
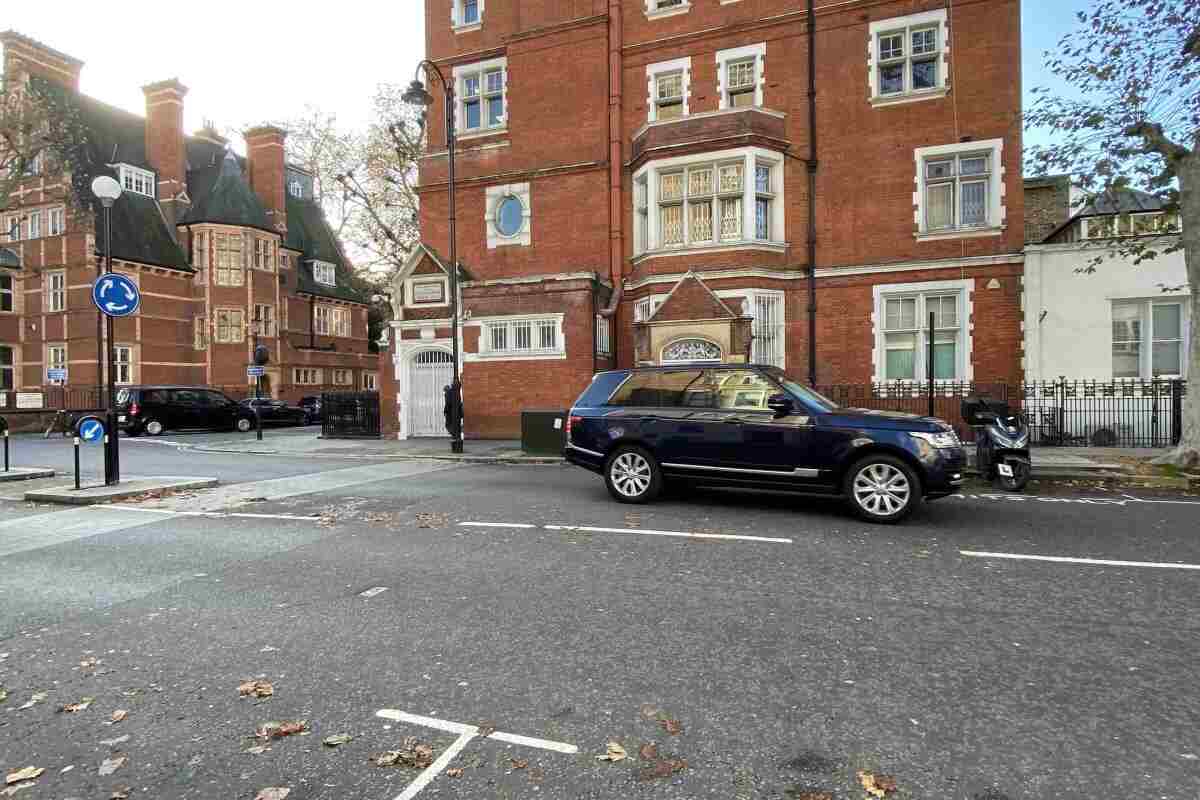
<point x="944" y="439"/>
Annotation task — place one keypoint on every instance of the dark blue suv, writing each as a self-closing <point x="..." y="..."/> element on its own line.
<point x="749" y="426"/>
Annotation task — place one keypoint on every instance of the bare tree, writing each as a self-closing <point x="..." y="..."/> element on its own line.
<point x="1132" y="120"/>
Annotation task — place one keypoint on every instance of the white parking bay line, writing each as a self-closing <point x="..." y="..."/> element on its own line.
<point x="208" y="514"/>
<point x="1100" y="562"/>
<point x="637" y="531"/>
<point x="466" y="733"/>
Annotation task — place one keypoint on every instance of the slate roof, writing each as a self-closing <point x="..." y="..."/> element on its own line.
<point x="225" y="199"/>
<point x="309" y="232"/>
<point x="1125" y="201"/>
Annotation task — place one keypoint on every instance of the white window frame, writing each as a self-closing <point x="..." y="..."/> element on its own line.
<point x="12" y="227"/>
<point x="1146" y="345"/>
<point x="296" y="188"/>
<point x="343" y="377"/>
<point x="495" y="195"/>
<point x="324" y="273"/>
<point x="33" y="224"/>
<point x="229" y="260"/>
<point x="10" y="292"/>
<point x="905" y="26"/>
<point x="236" y="331"/>
<point x="480" y="69"/>
<point x="997" y="212"/>
<point x="200" y="333"/>
<point x="124" y="375"/>
<point x="758" y="52"/>
<point x="370" y="381"/>
<point x="56" y="290"/>
<point x="750" y="157"/>
<point x="264" y="317"/>
<point x="774" y="353"/>
<point x="962" y="289"/>
<point x="512" y="324"/>
<point x="682" y="66"/>
<point x="137" y="180"/>
<point x="56" y="221"/>
<point x="645" y="307"/>
<point x="56" y="358"/>
<point x="306" y="376"/>
<point x="603" y="336"/>
<point x="458" y="21"/>
<point x="339" y="321"/>
<point x="323" y="319"/>
<point x="657" y="9"/>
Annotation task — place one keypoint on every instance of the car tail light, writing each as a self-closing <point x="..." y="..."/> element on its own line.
<point x="571" y="423"/>
<point x="134" y="410"/>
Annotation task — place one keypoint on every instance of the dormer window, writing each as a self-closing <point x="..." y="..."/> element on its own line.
<point x="137" y="180"/>
<point x="324" y="272"/>
<point x="295" y="188"/>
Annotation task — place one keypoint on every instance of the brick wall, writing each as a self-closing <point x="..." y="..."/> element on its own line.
<point x="1047" y="206"/>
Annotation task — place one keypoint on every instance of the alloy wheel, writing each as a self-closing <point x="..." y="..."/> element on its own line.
<point x="154" y="427"/>
<point x="631" y="474"/>
<point x="881" y="489"/>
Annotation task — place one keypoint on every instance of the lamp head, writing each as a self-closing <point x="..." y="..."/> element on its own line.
<point x="106" y="190"/>
<point x="416" y="95"/>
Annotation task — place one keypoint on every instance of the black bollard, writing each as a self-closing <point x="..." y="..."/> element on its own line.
<point x="77" y="462"/>
<point x="6" y="449"/>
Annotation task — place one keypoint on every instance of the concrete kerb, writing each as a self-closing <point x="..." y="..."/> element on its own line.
<point x="25" y="474"/>
<point x="129" y="488"/>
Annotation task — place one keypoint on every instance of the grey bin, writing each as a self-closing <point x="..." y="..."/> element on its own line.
<point x="542" y="432"/>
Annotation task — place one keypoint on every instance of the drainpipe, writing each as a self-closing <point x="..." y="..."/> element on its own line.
<point x="312" y="321"/>
<point x="812" y="195"/>
<point x="616" y="245"/>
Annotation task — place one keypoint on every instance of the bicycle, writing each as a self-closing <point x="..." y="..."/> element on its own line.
<point x="62" y="422"/>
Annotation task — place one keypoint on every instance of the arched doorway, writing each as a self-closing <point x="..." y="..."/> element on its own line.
<point x="430" y="371"/>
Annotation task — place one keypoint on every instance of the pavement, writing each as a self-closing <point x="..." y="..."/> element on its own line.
<point x="519" y="623"/>
<point x="91" y="494"/>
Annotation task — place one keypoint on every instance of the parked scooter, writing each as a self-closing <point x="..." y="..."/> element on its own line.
<point x="1001" y="442"/>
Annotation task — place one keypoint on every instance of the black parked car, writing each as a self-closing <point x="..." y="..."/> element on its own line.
<point x="277" y="412"/>
<point x="312" y="405"/>
<point x="750" y="427"/>
<point x="155" y="409"/>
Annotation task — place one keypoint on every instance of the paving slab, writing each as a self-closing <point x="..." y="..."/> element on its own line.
<point x="25" y="474"/>
<point x="93" y="494"/>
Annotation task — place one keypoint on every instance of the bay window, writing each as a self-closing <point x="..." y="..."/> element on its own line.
<point x="904" y="331"/>
<point x="727" y="198"/>
<point x="230" y="325"/>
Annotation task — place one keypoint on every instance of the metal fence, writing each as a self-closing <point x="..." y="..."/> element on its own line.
<point x="350" y="415"/>
<point x="1063" y="412"/>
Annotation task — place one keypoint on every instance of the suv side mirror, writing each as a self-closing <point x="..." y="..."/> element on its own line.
<point x="781" y="404"/>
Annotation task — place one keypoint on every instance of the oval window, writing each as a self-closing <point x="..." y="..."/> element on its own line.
<point x="510" y="216"/>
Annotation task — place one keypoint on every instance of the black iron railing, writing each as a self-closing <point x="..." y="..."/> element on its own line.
<point x="1063" y="412"/>
<point x="350" y="415"/>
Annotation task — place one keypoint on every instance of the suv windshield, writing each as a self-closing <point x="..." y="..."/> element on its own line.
<point x="808" y="395"/>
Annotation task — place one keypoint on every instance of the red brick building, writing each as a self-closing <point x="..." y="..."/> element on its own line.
<point x="645" y="181"/>
<point x="225" y="250"/>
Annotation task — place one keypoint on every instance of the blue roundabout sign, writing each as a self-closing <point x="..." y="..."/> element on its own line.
<point x="116" y="295"/>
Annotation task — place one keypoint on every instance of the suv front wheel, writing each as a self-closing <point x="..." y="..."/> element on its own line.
<point x="632" y="475"/>
<point x="882" y="488"/>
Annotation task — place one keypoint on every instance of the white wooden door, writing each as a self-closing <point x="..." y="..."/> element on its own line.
<point x="430" y="373"/>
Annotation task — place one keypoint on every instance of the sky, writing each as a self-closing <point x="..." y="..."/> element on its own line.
<point x="250" y="62"/>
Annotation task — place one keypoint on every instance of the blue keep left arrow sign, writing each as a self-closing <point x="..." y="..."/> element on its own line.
<point x="116" y="295"/>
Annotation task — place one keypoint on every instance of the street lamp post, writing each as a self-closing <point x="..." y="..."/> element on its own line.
<point x="417" y="95"/>
<point x="107" y="190"/>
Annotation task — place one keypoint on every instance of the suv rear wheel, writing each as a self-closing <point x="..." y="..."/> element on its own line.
<point x="152" y="427"/>
<point x="632" y="475"/>
<point x="882" y="488"/>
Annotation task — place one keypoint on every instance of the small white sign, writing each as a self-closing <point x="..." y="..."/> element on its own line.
<point x="557" y="423"/>
<point x="30" y="400"/>
<point x="374" y="590"/>
<point x="428" y="292"/>
<point x="1005" y="470"/>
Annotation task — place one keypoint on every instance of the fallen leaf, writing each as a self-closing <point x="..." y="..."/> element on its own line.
<point x="454" y="772"/>
<point x="337" y="741"/>
<point x="82" y="705"/>
<point x="120" y="793"/>
<point x="519" y="763"/>
<point x="805" y="794"/>
<point x="536" y="775"/>
<point x="671" y="726"/>
<point x="257" y="750"/>
<point x="34" y="699"/>
<point x="411" y="754"/>
<point x="9" y="791"/>
<point x="89" y="663"/>
<point x="256" y="688"/>
<point x="119" y="715"/>
<point x="26" y="774"/>
<point x="277" y="730"/>
<point x="615" y="753"/>
<point x="111" y="765"/>
<point x="272" y="793"/>
<point x="114" y="742"/>
<point x="877" y="785"/>
<point x="662" y="768"/>
<point x="649" y="711"/>
<point x="648" y="752"/>
<point x="486" y="729"/>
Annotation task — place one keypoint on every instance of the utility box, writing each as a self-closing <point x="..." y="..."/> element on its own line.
<point x="543" y="431"/>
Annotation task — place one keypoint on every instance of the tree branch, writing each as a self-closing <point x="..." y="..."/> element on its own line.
<point x="1154" y="140"/>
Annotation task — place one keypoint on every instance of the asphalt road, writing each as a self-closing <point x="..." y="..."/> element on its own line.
<point x="780" y="648"/>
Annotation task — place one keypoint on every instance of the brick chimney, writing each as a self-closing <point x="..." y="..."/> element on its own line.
<point x="25" y="56"/>
<point x="165" y="150"/>
<point x="265" y="154"/>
